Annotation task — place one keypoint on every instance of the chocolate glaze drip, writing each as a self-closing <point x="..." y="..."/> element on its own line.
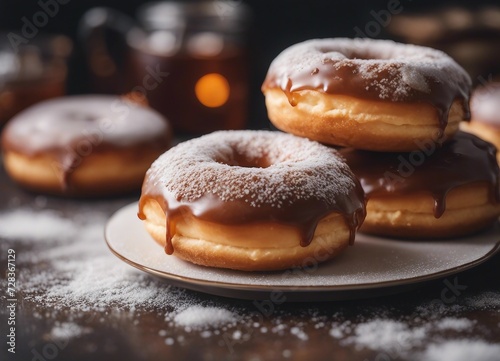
<point x="372" y="69"/>
<point x="303" y="215"/>
<point x="463" y="160"/>
<point x="68" y="159"/>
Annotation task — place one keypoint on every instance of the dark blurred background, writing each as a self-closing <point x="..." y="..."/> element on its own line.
<point x="276" y="24"/>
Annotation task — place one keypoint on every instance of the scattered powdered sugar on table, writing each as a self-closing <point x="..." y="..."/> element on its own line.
<point x="72" y="269"/>
<point x="83" y="273"/>
<point x="462" y="350"/>
<point x="68" y="330"/>
<point x="406" y="337"/>
<point x="35" y="226"/>
<point x="457" y="324"/>
<point x="100" y="284"/>
<point x="486" y="300"/>
<point x="199" y="317"/>
<point x="383" y="334"/>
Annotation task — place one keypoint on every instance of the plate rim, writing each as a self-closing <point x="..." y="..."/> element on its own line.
<point x="291" y="289"/>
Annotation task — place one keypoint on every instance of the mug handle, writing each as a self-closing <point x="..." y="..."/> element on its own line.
<point x="103" y="32"/>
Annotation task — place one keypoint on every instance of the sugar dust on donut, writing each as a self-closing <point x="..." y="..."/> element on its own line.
<point x="366" y="94"/>
<point x="87" y="145"/>
<point x="252" y="201"/>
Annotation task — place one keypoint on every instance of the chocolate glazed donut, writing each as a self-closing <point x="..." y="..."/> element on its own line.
<point x="366" y="94"/>
<point x="92" y="145"/>
<point x="452" y="192"/>
<point x="251" y="200"/>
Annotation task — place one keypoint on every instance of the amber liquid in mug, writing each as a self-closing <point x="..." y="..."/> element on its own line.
<point x="18" y="95"/>
<point x="199" y="94"/>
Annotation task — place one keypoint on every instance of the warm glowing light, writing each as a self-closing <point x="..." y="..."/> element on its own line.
<point x="212" y="90"/>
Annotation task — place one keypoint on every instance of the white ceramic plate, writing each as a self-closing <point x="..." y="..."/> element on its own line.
<point x="373" y="266"/>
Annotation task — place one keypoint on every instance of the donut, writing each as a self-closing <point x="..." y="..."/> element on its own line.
<point x="437" y="192"/>
<point x="367" y="94"/>
<point x="86" y="145"/>
<point x="252" y="201"/>
<point x="485" y="114"/>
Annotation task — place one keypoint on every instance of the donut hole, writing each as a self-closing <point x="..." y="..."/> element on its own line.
<point x="360" y="54"/>
<point x="79" y="116"/>
<point x="364" y="52"/>
<point x="246" y="161"/>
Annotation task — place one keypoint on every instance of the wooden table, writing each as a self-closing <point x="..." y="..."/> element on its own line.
<point x="412" y="325"/>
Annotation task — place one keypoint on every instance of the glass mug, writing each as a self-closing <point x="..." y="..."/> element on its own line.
<point x="35" y="72"/>
<point x="189" y="60"/>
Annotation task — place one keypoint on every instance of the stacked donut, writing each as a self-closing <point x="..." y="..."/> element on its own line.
<point x="396" y="109"/>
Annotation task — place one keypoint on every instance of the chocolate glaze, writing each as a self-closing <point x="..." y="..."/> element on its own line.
<point x="303" y="214"/>
<point x="465" y="159"/>
<point x="71" y="128"/>
<point x="372" y="69"/>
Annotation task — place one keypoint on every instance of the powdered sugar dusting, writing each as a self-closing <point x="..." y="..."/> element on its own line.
<point x="299" y="169"/>
<point x="65" y="122"/>
<point x="393" y="70"/>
